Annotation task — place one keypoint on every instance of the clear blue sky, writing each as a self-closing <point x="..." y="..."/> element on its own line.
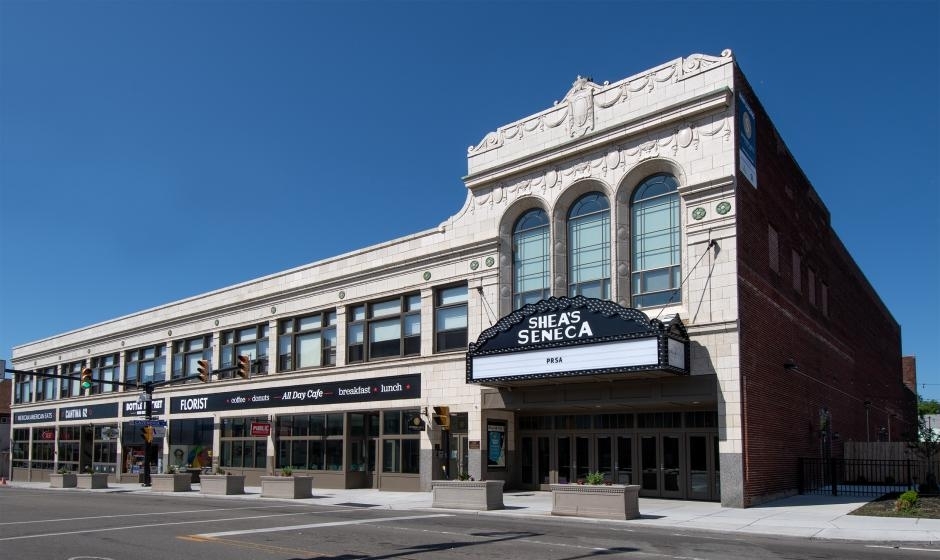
<point x="152" y="151"/>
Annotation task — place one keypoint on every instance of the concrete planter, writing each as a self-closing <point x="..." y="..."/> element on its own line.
<point x="467" y="494"/>
<point x="93" y="481"/>
<point x="179" y="482"/>
<point x="222" y="484"/>
<point x="616" y="501"/>
<point x="67" y="480"/>
<point x="292" y="487"/>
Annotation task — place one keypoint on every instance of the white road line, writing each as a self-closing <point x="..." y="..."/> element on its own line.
<point x="902" y="548"/>
<point x="136" y="515"/>
<point x="124" y="528"/>
<point x="317" y="525"/>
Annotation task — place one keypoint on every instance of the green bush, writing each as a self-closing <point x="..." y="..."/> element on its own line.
<point x="594" y="478"/>
<point x="907" y="501"/>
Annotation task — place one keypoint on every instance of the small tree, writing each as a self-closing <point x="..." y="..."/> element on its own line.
<point x="927" y="444"/>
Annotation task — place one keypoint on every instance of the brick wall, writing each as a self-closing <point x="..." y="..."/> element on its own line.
<point x="844" y="355"/>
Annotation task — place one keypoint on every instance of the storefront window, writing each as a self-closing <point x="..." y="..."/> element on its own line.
<point x="43" y="455"/>
<point x="191" y="443"/>
<point x="400" y="446"/>
<point x="310" y="441"/>
<point x="19" y="449"/>
<point x="239" y="448"/>
<point x="104" y="451"/>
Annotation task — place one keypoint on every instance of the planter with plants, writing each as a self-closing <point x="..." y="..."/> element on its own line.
<point x="63" y="478"/>
<point x="287" y="485"/>
<point x="222" y="483"/>
<point x="171" y="481"/>
<point x="595" y="497"/>
<point x="91" y="480"/>
<point x="466" y="493"/>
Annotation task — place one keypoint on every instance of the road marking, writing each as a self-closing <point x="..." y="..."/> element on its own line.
<point x="104" y="529"/>
<point x="295" y="552"/>
<point x="317" y="525"/>
<point x="70" y="519"/>
<point x="902" y="548"/>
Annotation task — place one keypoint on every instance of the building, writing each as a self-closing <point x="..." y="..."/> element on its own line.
<point x="641" y="282"/>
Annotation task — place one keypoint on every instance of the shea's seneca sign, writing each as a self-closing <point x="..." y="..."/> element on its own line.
<point x="561" y="337"/>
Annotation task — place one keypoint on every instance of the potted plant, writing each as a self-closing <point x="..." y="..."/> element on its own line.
<point x="596" y="497"/>
<point x="91" y="480"/>
<point x="222" y="483"/>
<point x="63" y="478"/>
<point x="171" y="481"/>
<point x="467" y="493"/>
<point x="287" y="485"/>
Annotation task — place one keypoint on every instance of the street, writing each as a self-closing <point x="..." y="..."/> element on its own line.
<point x="37" y="524"/>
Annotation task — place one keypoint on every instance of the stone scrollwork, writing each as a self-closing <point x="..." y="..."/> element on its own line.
<point x="585" y="96"/>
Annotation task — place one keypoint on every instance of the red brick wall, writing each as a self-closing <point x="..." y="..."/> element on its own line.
<point x="843" y="359"/>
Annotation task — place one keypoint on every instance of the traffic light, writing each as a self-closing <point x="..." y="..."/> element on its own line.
<point x="442" y="417"/>
<point x="147" y="433"/>
<point x="86" y="378"/>
<point x="202" y="366"/>
<point x="244" y="366"/>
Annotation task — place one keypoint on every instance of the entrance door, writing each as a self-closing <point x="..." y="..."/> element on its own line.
<point x="535" y="461"/>
<point x="660" y="463"/>
<point x="459" y="451"/>
<point x="702" y="467"/>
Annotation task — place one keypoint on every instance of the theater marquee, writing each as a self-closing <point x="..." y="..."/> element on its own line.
<point x="564" y="337"/>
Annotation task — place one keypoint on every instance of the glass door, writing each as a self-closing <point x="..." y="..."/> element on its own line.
<point x="661" y="466"/>
<point x="649" y="465"/>
<point x="671" y="468"/>
<point x="582" y="459"/>
<point x="565" y="462"/>
<point x="702" y="466"/>
<point x="624" y="466"/>
<point x="605" y="457"/>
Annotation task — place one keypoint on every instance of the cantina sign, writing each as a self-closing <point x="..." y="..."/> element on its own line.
<point x="368" y="390"/>
<point x="561" y="337"/>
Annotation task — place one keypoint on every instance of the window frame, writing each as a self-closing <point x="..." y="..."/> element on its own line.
<point x="576" y="250"/>
<point x="186" y="355"/>
<point x="640" y="294"/>
<point x="443" y="338"/>
<point x="291" y="329"/>
<point x="239" y="341"/>
<point x="526" y="236"/>
<point x="369" y="315"/>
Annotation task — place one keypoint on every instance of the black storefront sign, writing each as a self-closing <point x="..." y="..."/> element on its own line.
<point x="369" y="390"/>
<point x="139" y="408"/>
<point x="34" y="416"/>
<point x="91" y="412"/>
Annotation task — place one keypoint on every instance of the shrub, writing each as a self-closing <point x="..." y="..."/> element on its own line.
<point x="287" y="471"/>
<point x="907" y="501"/>
<point x="595" y="478"/>
<point x="464" y="476"/>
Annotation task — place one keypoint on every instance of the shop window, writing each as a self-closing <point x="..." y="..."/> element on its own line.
<point x="188" y="352"/>
<point x="105" y="368"/>
<point x="19" y="448"/>
<point x="306" y="342"/>
<point x="530" y="258"/>
<point x="247" y="341"/>
<point x="385" y="329"/>
<point x="310" y="441"/>
<point x="656" y="242"/>
<point x="191" y="442"/>
<point x="104" y="450"/>
<point x="147" y="364"/>
<point x="400" y="446"/>
<point x="450" y="318"/>
<point x="589" y="247"/>
<point x="239" y="449"/>
<point x="43" y="450"/>
<point x="69" y="447"/>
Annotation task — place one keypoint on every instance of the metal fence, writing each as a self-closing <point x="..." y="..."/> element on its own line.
<point x="860" y="477"/>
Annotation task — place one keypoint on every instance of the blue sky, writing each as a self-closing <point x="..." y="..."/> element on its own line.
<point x="152" y="151"/>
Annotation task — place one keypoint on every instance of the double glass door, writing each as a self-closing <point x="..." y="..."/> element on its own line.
<point x="664" y="464"/>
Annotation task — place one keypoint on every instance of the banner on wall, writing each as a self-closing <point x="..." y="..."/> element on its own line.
<point x="496" y="444"/>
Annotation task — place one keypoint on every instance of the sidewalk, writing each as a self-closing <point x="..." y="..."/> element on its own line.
<point x="818" y="517"/>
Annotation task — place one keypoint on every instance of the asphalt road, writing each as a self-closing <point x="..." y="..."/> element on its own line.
<point x="54" y="525"/>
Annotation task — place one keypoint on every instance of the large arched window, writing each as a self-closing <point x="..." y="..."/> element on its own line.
<point x="656" y="234"/>
<point x="530" y="258"/>
<point x="589" y="247"/>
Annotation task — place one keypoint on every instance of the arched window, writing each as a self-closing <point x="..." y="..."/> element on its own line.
<point x="530" y="258"/>
<point x="656" y="259"/>
<point x="589" y="247"/>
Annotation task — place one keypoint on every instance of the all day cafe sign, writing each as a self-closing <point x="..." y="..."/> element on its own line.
<point x="564" y="337"/>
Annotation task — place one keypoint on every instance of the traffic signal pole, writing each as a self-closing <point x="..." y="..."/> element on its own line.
<point x="148" y="414"/>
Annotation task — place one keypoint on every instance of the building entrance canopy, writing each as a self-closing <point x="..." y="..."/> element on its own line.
<point x="576" y="337"/>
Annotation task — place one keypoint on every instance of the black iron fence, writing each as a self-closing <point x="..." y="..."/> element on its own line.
<point x="861" y="477"/>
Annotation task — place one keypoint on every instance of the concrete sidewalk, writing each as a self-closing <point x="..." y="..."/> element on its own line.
<point x="818" y="517"/>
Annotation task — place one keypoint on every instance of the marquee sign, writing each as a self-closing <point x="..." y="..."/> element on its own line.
<point x="366" y="390"/>
<point x="564" y="337"/>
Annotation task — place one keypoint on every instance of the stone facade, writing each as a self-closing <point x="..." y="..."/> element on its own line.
<point x="677" y="118"/>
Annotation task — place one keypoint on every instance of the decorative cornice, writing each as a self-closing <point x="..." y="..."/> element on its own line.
<point x="576" y="110"/>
